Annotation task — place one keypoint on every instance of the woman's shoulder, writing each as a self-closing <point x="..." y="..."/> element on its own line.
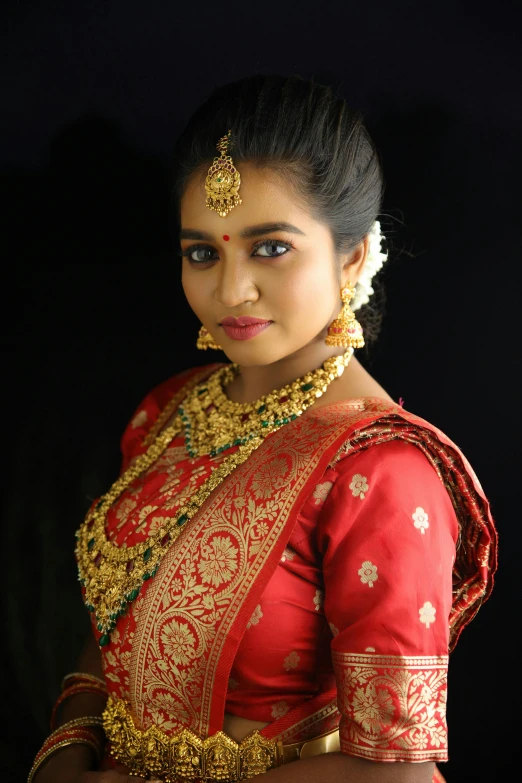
<point x="157" y="402"/>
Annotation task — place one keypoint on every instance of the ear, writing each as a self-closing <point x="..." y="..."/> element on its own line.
<point x="352" y="263"/>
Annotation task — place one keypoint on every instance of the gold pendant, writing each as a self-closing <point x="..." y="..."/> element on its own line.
<point x="223" y="181"/>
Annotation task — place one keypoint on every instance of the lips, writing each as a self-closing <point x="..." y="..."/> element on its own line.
<point x="244" y="327"/>
<point x="243" y="320"/>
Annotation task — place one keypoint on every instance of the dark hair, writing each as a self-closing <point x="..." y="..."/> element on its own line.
<point x="307" y="132"/>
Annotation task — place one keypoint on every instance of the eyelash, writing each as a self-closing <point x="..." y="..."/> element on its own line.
<point x="189" y="250"/>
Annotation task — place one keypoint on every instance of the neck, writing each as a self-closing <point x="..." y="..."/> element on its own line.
<point x="255" y="381"/>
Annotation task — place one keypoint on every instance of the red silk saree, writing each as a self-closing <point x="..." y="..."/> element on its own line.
<point x="322" y="584"/>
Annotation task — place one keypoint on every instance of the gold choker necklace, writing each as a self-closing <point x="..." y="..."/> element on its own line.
<point x="113" y="575"/>
<point x="212" y="423"/>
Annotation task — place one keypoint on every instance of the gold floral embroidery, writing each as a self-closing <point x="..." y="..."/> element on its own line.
<point x="420" y="519"/>
<point x="368" y="573"/>
<point x="322" y="491"/>
<point x="393" y="707"/>
<point x="125" y="507"/>
<point x="218" y="561"/>
<point x="178" y="642"/>
<point x="270" y="478"/>
<point x="333" y="629"/>
<point x="318" y="600"/>
<point x="167" y="713"/>
<point x="369" y="649"/>
<point x="359" y="486"/>
<point x="256" y="616"/>
<point x="372" y="708"/>
<point x="139" y="419"/>
<point x="427" y="614"/>
<point x="291" y="661"/>
<point x="280" y="709"/>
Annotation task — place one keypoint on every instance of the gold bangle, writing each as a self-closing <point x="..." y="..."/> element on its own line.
<point x="73" y="690"/>
<point x="36" y="766"/>
<point x="88" y="720"/>
<point x="82" y="676"/>
<point x="78" y="732"/>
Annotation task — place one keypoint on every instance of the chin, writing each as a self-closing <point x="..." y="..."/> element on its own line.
<point x="250" y="356"/>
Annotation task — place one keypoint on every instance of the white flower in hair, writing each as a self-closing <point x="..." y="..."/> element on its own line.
<point x="374" y="262"/>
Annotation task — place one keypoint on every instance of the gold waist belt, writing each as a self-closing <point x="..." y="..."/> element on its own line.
<point x="183" y="756"/>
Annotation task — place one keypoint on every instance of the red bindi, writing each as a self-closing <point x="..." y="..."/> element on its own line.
<point x="226" y="237"/>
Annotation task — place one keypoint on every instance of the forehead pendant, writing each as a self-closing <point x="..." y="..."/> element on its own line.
<point x="223" y="181"/>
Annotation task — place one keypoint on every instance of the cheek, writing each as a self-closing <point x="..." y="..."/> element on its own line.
<point x="311" y="289"/>
<point x="194" y="289"/>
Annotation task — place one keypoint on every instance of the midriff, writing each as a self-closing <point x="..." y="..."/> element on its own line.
<point x="238" y="728"/>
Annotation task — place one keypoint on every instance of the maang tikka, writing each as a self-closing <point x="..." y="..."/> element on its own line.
<point x="346" y="330"/>
<point x="223" y="180"/>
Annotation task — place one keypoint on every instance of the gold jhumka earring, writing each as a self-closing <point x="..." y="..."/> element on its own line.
<point x="223" y="180"/>
<point x="346" y="330"/>
<point x="205" y="341"/>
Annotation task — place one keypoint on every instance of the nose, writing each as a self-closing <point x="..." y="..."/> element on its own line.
<point x="234" y="284"/>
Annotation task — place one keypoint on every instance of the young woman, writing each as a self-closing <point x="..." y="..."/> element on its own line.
<point x="288" y="556"/>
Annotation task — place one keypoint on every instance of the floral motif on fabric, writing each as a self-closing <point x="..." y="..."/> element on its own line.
<point x="319" y="600"/>
<point x="427" y="614"/>
<point x="420" y="519"/>
<point x="178" y="642"/>
<point x="322" y="491"/>
<point x="368" y="573"/>
<point x="271" y="477"/>
<point x="359" y="486"/>
<point x="116" y="662"/>
<point x="218" y="561"/>
<point x="280" y="709"/>
<point x="256" y="616"/>
<point x="333" y="629"/>
<point x="392" y="707"/>
<point x="291" y="661"/>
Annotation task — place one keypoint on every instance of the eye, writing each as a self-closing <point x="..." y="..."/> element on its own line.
<point x="198" y="254"/>
<point x="274" y="248"/>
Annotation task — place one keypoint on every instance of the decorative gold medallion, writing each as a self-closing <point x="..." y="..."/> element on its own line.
<point x="183" y="757"/>
<point x="223" y="181"/>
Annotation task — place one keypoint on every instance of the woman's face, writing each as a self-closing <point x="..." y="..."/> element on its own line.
<point x="248" y="264"/>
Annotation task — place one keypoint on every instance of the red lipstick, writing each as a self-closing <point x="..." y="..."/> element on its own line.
<point x="244" y="327"/>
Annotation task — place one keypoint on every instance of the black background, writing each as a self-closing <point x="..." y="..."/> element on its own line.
<point x="94" y="94"/>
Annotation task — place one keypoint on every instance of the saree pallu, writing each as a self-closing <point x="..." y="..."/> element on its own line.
<point x="321" y="585"/>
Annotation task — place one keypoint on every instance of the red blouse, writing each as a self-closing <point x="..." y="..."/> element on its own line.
<point x="357" y="606"/>
<point x="368" y="571"/>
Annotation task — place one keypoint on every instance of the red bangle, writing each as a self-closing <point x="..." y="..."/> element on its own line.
<point x="73" y="689"/>
<point x="75" y="677"/>
<point x="71" y="736"/>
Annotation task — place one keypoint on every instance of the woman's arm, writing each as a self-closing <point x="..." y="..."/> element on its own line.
<point x="69" y="763"/>
<point x="340" y="768"/>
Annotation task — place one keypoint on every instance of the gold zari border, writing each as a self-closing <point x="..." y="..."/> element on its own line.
<point x="184" y="756"/>
<point x="392" y="706"/>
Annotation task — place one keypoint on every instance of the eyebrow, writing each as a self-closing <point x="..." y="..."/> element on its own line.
<point x="249" y="231"/>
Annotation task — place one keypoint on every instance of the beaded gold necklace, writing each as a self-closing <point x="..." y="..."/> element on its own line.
<point x="113" y="575"/>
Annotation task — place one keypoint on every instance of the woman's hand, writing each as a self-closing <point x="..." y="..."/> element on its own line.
<point x="74" y="765"/>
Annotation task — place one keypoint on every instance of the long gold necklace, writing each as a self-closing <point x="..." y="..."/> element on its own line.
<point x="113" y="575"/>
